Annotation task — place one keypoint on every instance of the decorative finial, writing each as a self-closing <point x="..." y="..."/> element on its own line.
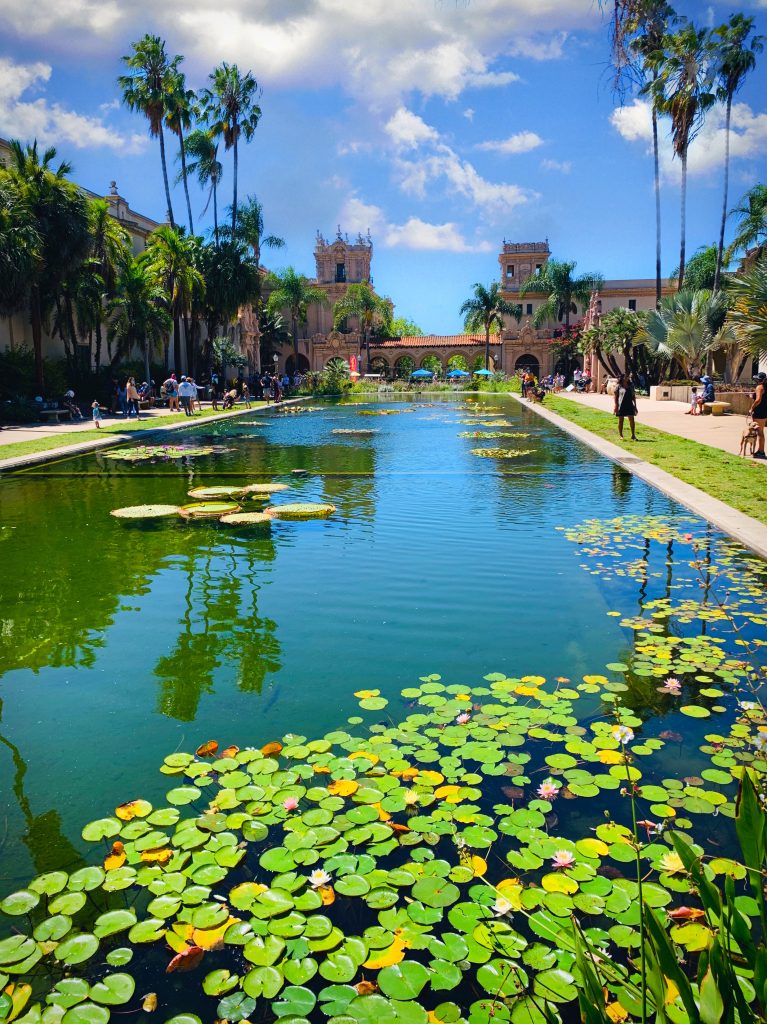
<point x="113" y="188"/>
<point x="338" y="232"/>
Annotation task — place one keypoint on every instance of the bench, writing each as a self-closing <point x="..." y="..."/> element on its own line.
<point x="716" y="408"/>
<point x="58" y="413"/>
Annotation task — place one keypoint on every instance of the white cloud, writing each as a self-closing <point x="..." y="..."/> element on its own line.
<point x="520" y="142"/>
<point x="415" y="233"/>
<point x="407" y="130"/>
<point x="380" y="50"/>
<point x="422" y="159"/>
<point x="748" y="137"/>
<point x="563" y="166"/>
<point x="468" y="114"/>
<point x="28" y="118"/>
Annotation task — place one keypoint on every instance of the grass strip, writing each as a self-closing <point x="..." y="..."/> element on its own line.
<point x="736" y="481"/>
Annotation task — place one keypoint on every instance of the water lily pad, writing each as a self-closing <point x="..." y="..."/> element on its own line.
<point x="301" y="510"/>
<point x="146" y="512"/>
<point x="77" y="948"/>
<point x="113" y="989"/>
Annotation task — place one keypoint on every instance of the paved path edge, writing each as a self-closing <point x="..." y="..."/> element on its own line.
<point x="751" y="533"/>
<point x="67" y="451"/>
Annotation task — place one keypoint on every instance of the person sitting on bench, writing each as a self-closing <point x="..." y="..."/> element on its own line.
<point x="68" y="401"/>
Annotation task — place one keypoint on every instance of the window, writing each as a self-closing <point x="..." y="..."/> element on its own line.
<point x="529" y="309"/>
<point x="538" y="267"/>
<point x="340" y="272"/>
<point x="633" y="305"/>
<point x="509" y="270"/>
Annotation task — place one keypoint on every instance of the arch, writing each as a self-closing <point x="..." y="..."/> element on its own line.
<point x="478" y="363"/>
<point x="529" y="363"/>
<point x="303" y="364"/>
<point x="431" y="362"/>
<point x="404" y="366"/>
<point x="379" y="365"/>
<point x="457" y="362"/>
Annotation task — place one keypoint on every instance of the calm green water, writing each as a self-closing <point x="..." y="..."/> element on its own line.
<point x="119" y="644"/>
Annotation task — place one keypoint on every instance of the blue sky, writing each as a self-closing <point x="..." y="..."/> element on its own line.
<point x="442" y="125"/>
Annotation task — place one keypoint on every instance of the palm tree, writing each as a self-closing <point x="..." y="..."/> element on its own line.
<point x="57" y="214"/>
<point x="700" y="272"/>
<point x="681" y="90"/>
<point x="748" y="312"/>
<point x="688" y="326"/>
<point x="371" y="311"/>
<point x="110" y="245"/>
<point x="230" y="108"/>
<point x="172" y="266"/>
<point x="649" y="23"/>
<point x="735" y="57"/>
<point x="294" y="292"/>
<point x="752" y="229"/>
<point x="556" y="279"/>
<point x="232" y="280"/>
<point x="178" y="117"/>
<point x="19" y="251"/>
<point x="485" y="310"/>
<point x="250" y="228"/>
<point x="138" y="313"/>
<point x="146" y="88"/>
<point x="201" y="146"/>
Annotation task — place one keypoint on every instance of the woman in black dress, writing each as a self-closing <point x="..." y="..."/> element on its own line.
<point x="758" y="413"/>
<point x="625" y="404"/>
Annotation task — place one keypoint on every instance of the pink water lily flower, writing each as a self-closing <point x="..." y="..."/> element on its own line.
<point x="563" y="859"/>
<point x="290" y="803"/>
<point x="548" y="790"/>
<point x="672" y="686"/>
<point x="463" y="718"/>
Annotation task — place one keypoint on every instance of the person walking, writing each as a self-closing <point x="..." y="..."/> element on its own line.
<point x="170" y="386"/>
<point x="625" y="404"/>
<point x="758" y="413"/>
<point x="131" y="392"/>
<point x="96" y="410"/>
<point x="185" y="394"/>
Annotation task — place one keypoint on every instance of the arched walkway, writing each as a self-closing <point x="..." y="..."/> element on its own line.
<point x="529" y="363"/>
<point x="432" y="363"/>
<point x="404" y="366"/>
<point x="379" y="365"/>
<point x="457" y="362"/>
<point x="303" y="364"/>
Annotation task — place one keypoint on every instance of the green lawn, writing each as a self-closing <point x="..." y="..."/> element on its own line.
<point x="739" y="482"/>
<point x="64" y="440"/>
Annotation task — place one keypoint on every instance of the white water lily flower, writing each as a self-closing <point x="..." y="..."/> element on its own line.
<point x="318" y="878"/>
<point x="760" y="742"/>
<point x="623" y="734"/>
<point x="502" y="907"/>
<point x="410" y="797"/>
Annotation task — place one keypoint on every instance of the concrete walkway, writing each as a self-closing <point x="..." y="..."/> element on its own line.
<point x="36" y="431"/>
<point x="723" y="432"/>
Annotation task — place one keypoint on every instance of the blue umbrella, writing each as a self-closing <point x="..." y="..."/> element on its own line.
<point x="458" y="373"/>
<point x="483" y="373"/>
<point x="421" y="373"/>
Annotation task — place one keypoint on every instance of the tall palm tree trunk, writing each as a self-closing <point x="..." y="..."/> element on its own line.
<point x="165" y="178"/>
<point x="720" y="249"/>
<point x="191" y="355"/>
<point x="656" y="167"/>
<point x="295" y="342"/>
<point x="183" y="175"/>
<point x="487" y="346"/>
<point x="36" y="318"/>
<point x="215" y="210"/>
<point x="98" y="343"/>
<point x="234" y="196"/>
<point x="147" y="372"/>
<point x="176" y="344"/>
<point x="683" y="240"/>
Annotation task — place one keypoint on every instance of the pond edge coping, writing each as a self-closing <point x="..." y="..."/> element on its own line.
<point x="96" y="444"/>
<point x="743" y="528"/>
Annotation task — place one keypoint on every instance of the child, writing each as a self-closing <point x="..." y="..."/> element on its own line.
<point x="246" y="395"/>
<point x="96" y="414"/>
<point x="694" y="409"/>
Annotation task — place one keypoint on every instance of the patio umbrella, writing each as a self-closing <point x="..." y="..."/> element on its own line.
<point x="458" y="373"/>
<point x="421" y="373"/>
<point x="483" y="373"/>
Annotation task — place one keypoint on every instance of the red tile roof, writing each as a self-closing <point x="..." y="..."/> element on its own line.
<point x="433" y="341"/>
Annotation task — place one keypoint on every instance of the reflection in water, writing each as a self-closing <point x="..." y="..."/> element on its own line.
<point x="44" y="837"/>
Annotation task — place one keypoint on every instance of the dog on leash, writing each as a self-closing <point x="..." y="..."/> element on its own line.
<point x="748" y="440"/>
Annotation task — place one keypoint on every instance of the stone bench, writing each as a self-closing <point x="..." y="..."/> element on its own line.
<point x="716" y="408"/>
<point x="53" y="413"/>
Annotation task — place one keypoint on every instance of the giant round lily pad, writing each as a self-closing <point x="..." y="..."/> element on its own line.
<point x="247" y="519"/>
<point x="216" y="493"/>
<point x="301" y="510"/>
<point x="208" y="509"/>
<point x="146" y="512"/>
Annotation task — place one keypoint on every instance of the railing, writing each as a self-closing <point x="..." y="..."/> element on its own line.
<point x="526" y="247"/>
